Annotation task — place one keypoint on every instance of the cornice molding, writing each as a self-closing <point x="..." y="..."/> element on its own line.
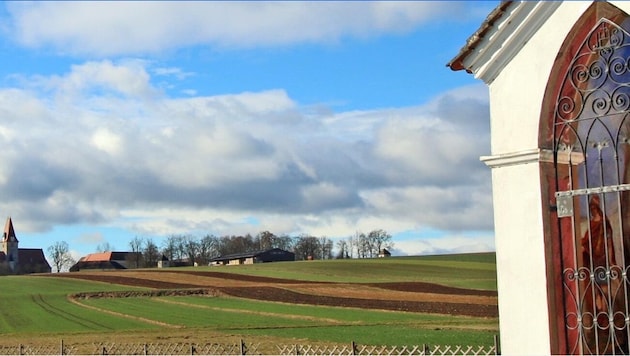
<point x="517" y="158"/>
<point x="509" y="34"/>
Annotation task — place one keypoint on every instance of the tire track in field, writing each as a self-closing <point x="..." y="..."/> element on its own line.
<point x="127" y="316"/>
<point x="64" y="314"/>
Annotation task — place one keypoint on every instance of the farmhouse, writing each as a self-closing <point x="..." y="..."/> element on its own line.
<point x="272" y="255"/>
<point x="108" y="261"/>
<point x="558" y="74"/>
<point x="20" y="260"/>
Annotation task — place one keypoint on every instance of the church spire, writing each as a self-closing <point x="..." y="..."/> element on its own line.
<point x="9" y="232"/>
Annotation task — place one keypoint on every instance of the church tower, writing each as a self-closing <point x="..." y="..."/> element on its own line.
<point x="10" y="244"/>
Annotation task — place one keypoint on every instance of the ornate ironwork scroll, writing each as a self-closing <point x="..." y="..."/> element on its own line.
<point x="591" y="134"/>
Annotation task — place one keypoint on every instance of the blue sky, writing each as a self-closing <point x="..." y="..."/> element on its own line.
<point x="125" y="119"/>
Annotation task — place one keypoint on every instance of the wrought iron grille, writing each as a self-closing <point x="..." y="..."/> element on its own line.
<point x="592" y="164"/>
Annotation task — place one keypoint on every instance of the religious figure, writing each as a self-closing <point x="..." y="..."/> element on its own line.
<point x="604" y="304"/>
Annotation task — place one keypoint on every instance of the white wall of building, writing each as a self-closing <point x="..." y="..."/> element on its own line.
<point x="516" y="97"/>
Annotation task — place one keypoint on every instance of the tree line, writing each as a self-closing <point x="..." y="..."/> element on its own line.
<point x="201" y="250"/>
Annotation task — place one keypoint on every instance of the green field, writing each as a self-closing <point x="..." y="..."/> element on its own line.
<point x="37" y="307"/>
<point x="476" y="271"/>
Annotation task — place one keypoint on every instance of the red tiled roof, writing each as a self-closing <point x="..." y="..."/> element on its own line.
<point x="108" y="256"/>
<point x="101" y="256"/>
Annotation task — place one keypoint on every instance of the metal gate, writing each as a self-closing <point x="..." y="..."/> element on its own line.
<point x="591" y="134"/>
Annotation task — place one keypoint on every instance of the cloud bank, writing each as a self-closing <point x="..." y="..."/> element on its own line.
<point x="101" y="143"/>
<point x="98" y="139"/>
<point x="105" y="28"/>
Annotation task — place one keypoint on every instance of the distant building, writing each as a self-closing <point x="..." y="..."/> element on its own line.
<point x="180" y="262"/>
<point x="272" y="255"/>
<point x="384" y="253"/>
<point x="163" y="262"/>
<point x="108" y="260"/>
<point x="15" y="260"/>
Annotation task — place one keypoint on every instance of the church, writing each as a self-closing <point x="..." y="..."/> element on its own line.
<point x="15" y="260"/>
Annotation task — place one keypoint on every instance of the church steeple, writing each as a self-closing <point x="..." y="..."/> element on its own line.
<point x="9" y="232"/>
<point x="10" y="244"/>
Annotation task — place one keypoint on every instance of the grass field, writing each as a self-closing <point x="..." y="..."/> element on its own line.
<point x="476" y="271"/>
<point x="37" y="308"/>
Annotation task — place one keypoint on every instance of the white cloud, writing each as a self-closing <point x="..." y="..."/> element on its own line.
<point x="173" y="71"/>
<point x="129" y="79"/>
<point x="92" y="238"/>
<point x="162" y="165"/>
<point x="107" y="141"/>
<point x="444" y="245"/>
<point x="110" y="28"/>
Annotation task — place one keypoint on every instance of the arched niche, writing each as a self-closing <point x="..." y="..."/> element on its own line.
<point x="585" y="126"/>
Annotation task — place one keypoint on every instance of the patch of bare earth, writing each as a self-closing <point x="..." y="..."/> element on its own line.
<point x="369" y="292"/>
<point x="409" y="296"/>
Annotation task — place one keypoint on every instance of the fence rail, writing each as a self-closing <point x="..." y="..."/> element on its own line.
<point x="242" y="348"/>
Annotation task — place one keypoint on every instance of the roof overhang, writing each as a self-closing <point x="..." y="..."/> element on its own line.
<point x="501" y="36"/>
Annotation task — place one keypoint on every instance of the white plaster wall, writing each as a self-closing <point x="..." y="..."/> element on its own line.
<point x="516" y="94"/>
<point x="521" y="272"/>
<point x="516" y="98"/>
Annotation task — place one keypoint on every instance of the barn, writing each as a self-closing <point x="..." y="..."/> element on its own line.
<point x="107" y="261"/>
<point x="263" y="256"/>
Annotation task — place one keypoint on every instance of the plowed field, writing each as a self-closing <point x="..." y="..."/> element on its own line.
<point x="408" y="296"/>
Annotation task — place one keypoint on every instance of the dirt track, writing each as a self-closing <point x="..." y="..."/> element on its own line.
<point x="408" y="296"/>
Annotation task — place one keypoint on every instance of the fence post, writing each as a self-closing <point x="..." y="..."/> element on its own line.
<point x="297" y="349"/>
<point x="354" y="348"/>
<point x="425" y="349"/>
<point x="497" y="345"/>
<point x="242" y="347"/>
<point x="192" y="349"/>
<point x="61" y="350"/>
<point x="146" y="349"/>
<point x="21" y="349"/>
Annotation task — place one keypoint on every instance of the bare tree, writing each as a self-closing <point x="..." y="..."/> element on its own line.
<point x="342" y="245"/>
<point x="237" y="244"/>
<point x="265" y="240"/>
<point x="308" y="247"/>
<point x="104" y="247"/>
<point x="284" y="242"/>
<point x="59" y="253"/>
<point x="361" y="244"/>
<point x="379" y="239"/>
<point x="136" y="249"/>
<point x="191" y="248"/>
<point x="170" y="248"/>
<point x="351" y="243"/>
<point x="208" y="249"/>
<point x="150" y="253"/>
<point x="326" y="245"/>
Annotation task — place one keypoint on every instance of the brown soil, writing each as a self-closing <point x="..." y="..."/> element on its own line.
<point x="408" y="296"/>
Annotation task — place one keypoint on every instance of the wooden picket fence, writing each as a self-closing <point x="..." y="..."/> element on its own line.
<point x="243" y="348"/>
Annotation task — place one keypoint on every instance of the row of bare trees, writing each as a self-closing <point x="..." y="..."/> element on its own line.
<point x="361" y="245"/>
<point x="200" y="251"/>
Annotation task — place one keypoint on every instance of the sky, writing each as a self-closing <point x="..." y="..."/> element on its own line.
<point x="148" y="119"/>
